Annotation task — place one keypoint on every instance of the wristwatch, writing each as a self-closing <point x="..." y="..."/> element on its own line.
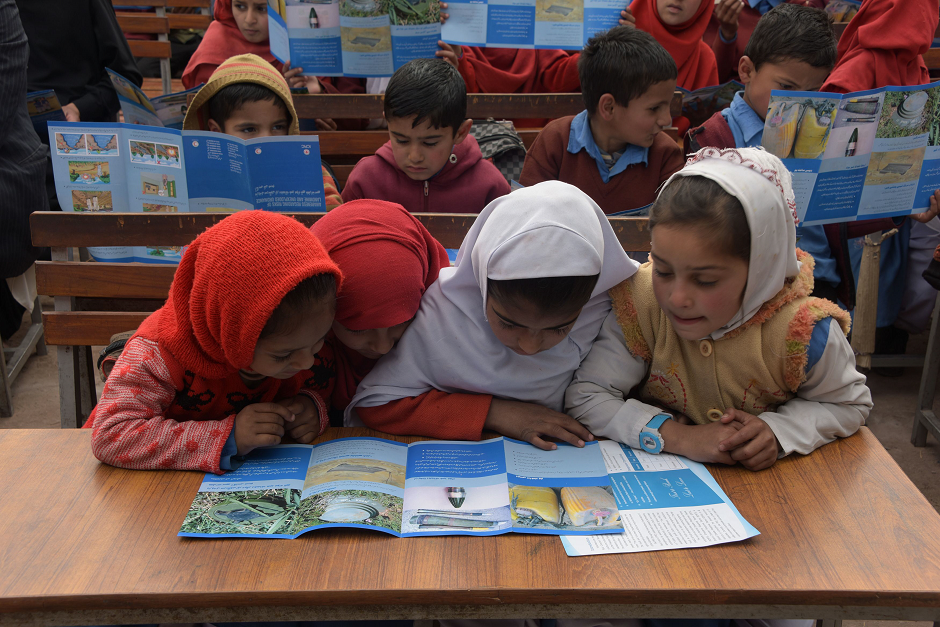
<point x="651" y="440"/>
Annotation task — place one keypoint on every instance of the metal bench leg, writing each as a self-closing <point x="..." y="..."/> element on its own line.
<point x="87" y="390"/>
<point x="68" y="394"/>
<point x="925" y="420"/>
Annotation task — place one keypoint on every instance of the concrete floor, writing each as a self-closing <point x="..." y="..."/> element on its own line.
<point x="36" y="406"/>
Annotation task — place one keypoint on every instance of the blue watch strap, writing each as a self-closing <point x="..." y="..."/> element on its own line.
<point x="658" y="421"/>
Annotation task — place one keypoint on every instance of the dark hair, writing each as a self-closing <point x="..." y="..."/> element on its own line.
<point x="232" y="97"/>
<point x="549" y="295"/>
<point x="429" y="89"/>
<point x="623" y="62"/>
<point x="703" y="203"/>
<point x="792" y="32"/>
<point x="297" y="303"/>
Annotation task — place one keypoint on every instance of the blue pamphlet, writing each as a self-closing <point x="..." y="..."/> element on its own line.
<point x="858" y="156"/>
<point x="43" y="107"/>
<point x="362" y="38"/>
<point x="533" y="24"/>
<point x="144" y="169"/>
<point x="422" y="489"/>
<point x="167" y="110"/>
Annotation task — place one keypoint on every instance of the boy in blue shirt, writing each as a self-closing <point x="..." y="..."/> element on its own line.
<point x="792" y="48"/>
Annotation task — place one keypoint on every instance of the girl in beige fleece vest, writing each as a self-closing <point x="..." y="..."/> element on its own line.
<point x="719" y="332"/>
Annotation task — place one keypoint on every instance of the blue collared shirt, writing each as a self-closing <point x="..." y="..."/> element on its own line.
<point x="581" y="138"/>
<point x="745" y="124"/>
<point x="748" y="131"/>
<point x="763" y="6"/>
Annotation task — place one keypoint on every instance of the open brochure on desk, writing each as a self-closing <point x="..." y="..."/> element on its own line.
<point x="363" y="38"/>
<point x="666" y="502"/>
<point x="425" y="488"/>
<point x="548" y="24"/>
<point x="857" y="156"/>
<point x="147" y="169"/>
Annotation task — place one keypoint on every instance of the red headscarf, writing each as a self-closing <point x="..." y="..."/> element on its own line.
<point x="229" y="282"/>
<point x="221" y="41"/>
<point x="883" y="44"/>
<point x="388" y="260"/>
<point x="694" y="58"/>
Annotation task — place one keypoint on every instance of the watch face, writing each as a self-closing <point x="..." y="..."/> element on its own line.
<point x="650" y="443"/>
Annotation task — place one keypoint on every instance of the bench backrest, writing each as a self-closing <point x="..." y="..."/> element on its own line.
<point x="97" y="284"/>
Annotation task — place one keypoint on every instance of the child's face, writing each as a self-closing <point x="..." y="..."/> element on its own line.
<point x="643" y="118"/>
<point x="525" y="330"/>
<point x="251" y="17"/>
<point x="790" y="74"/>
<point x="422" y="151"/>
<point x="371" y="343"/>
<point x="262" y="118"/>
<point x="284" y="355"/>
<point x="675" y="12"/>
<point x="698" y="288"/>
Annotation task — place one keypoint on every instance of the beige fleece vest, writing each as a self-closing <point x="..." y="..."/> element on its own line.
<point x="754" y="368"/>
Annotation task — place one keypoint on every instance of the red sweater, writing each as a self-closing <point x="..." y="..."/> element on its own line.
<point x="466" y="186"/>
<point x="548" y="159"/>
<point x="155" y="415"/>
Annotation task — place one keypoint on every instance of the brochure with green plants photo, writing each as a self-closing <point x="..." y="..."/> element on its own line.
<point x="425" y="488"/>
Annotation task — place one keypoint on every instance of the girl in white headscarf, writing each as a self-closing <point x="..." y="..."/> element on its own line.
<point x="498" y="337"/>
<point x="733" y="360"/>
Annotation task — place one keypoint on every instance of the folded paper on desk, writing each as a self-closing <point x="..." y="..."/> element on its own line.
<point x="666" y="502"/>
<point x="426" y="488"/>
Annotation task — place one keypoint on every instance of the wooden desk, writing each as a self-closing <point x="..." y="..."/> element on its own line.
<point x="845" y="535"/>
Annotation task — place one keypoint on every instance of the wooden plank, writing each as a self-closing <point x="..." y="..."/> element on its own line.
<point x="146" y="3"/>
<point x="852" y="534"/>
<point x="150" y="49"/>
<point x="142" y="23"/>
<point x="104" y="280"/>
<point x="932" y="59"/>
<point x="64" y="229"/>
<point x="184" y="21"/>
<point x="365" y="143"/>
<point x="85" y="328"/>
<point x="154" y="86"/>
<point x="200" y="4"/>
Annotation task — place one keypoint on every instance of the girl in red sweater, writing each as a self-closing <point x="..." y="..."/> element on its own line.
<point x="230" y="362"/>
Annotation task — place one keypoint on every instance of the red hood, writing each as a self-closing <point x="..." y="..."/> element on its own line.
<point x="467" y="152"/>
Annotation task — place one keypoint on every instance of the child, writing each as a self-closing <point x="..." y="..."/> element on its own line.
<point x="719" y="328"/>
<point x="238" y="27"/>
<point x="679" y="25"/>
<point x="378" y="300"/>
<point x="246" y="97"/>
<point x="431" y="163"/>
<point x="614" y="150"/>
<point x="225" y="365"/>
<point x="792" y="48"/>
<point x="497" y="337"/>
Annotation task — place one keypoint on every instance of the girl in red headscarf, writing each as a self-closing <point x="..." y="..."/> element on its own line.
<point x="679" y="25"/>
<point x="388" y="260"/>
<point x="230" y="361"/>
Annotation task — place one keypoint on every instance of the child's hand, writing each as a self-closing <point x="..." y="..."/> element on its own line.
<point x="727" y="12"/>
<point x="530" y="422"/>
<point x="444" y="16"/>
<point x="754" y="445"/>
<point x="71" y="113"/>
<point x="699" y="442"/>
<point x="295" y="79"/>
<point x="931" y="213"/>
<point x="261" y="424"/>
<point x="626" y="18"/>
<point x="449" y="52"/>
<point x="306" y="425"/>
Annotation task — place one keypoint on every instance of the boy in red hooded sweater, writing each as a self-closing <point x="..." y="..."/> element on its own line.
<point x="231" y="361"/>
<point x="431" y="164"/>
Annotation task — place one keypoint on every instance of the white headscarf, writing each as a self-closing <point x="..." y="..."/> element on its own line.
<point x="547" y="230"/>
<point x="763" y="186"/>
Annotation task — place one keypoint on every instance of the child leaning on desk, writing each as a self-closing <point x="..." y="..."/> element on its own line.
<point x="230" y="362"/>
<point x="734" y="360"/>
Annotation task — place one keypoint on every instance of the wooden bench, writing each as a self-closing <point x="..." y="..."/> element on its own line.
<point x="85" y="292"/>
<point x="157" y="21"/>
